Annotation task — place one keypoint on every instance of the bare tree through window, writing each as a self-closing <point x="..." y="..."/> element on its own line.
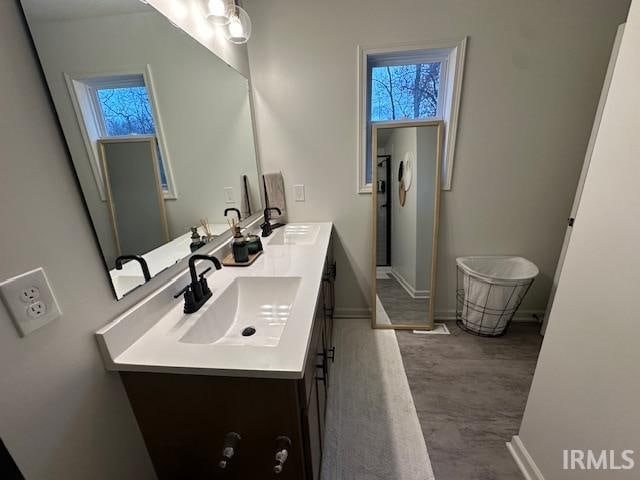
<point x="126" y="111"/>
<point x="405" y="91"/>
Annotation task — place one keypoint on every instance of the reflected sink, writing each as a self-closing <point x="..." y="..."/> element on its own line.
<point x="295" y="235"/>
<point x="259" y="303"/>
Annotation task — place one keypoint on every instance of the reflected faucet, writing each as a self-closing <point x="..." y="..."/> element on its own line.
<point x="266" y="227"/>
<point x="137" y="258"/>
<point x="231" y="209"/>
<point x="197" y="292"/>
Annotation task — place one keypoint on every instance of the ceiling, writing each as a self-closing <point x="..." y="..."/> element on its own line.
<point x="69" y="9"/>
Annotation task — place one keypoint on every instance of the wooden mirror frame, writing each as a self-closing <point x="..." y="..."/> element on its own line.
<point x="429" y="325"/>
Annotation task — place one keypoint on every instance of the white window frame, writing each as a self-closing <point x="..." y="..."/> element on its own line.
<point x="82" y="86"/>
<point x="452" y="54"/>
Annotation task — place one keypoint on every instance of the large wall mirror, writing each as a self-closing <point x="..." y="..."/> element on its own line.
<point x="406" y="206"/>
<point x="159" y="129"/>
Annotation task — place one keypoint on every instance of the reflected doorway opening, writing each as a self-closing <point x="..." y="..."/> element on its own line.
<point x="383" y="244"/>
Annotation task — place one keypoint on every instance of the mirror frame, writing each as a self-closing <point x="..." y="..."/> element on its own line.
<point x="430" y="323"/>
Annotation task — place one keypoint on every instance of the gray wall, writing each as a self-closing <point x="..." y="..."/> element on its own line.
<point x="533" y="76"/>
<point x="403" y="218"/>
<point x="586" y="388"/>
<point x="424" y="183"/>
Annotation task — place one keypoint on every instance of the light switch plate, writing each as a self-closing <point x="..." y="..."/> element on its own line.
<point x="228" y="195"/>
<point x="30" y="301"/>
<point x="299" y="192"/>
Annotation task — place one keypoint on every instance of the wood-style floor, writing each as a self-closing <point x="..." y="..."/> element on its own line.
<point x="399" y="305"/>
<point x="470" y="393"/>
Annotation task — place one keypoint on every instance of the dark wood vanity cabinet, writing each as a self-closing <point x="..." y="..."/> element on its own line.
<point x="184" y="418"/>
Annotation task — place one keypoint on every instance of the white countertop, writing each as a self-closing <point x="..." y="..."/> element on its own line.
<point x="146" y="338"/>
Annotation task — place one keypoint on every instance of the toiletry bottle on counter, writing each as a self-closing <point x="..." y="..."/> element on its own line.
<point x="196" y="241"/>
<point x="239" y="247"/>
<point x="254" y="244"/>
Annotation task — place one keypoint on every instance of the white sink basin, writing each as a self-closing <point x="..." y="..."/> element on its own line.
<point x="260" y="303"/>
<point x="295" y="235"/>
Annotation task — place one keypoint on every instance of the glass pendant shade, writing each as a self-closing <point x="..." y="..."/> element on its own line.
<point x="217" y="12"/>
<point x="238" y="30"/>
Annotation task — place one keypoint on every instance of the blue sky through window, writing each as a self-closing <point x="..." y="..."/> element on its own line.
<point x="126" y="111"/>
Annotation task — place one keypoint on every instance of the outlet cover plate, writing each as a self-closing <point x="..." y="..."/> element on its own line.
<point x="299" y="193"/>
<point x="228" y="195"/>
<point x="12" y="290"/>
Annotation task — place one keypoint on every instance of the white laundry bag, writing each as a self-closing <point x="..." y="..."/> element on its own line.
<point x="490" y="290"/>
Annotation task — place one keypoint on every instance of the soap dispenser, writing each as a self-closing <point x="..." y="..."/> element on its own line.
<point x="196" y="241"/>
<point x="239" y="247"/>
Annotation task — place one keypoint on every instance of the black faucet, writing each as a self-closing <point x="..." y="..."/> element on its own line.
<point x="231" y="209"/>
<point x="137" y="258"/>
<point x="266" y="227"/>
<point x="197" y="292"/>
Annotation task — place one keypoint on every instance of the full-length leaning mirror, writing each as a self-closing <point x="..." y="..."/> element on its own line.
<point x="405" y="206"/>
<point x="162" y="154"/>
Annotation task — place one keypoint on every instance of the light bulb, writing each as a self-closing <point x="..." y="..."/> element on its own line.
<point x="235" y="27"/>
<point x="217" y="8"/>
<point x="238" y="28"/>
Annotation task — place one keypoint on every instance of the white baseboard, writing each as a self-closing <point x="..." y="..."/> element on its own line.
<point x="520" y="316"/>
<point x="420" y="294"/>
<point x="527" y="466"/>
<point x="441" y="315"/>
<point x="352" y="313"/>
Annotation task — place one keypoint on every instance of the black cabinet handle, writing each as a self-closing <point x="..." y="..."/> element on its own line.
<point x="331" y="354"/>
<point x="323" y="366"/>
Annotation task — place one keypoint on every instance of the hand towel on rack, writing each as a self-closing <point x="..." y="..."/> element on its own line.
<point x="273" y="185"/>
<point x="245" y="201"/>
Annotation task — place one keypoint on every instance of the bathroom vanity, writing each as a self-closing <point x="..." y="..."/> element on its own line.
<point x="194" y="378"/>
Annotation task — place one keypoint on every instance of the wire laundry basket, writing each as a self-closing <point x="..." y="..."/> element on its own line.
<point x="489" y="291"/>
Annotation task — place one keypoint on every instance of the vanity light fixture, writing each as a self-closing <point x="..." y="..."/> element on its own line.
<point x="238" y="30"/>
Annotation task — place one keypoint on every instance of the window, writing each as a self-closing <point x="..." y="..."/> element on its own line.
<point x="118" y="106"/>
<point x="409" y="83"/>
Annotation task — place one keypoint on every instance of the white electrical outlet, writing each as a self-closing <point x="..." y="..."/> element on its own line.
<point x="30" y="294"/>
<point x="299" y="192"/>
<point x="30" y="301"/>
<point x="36" y="309"/>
